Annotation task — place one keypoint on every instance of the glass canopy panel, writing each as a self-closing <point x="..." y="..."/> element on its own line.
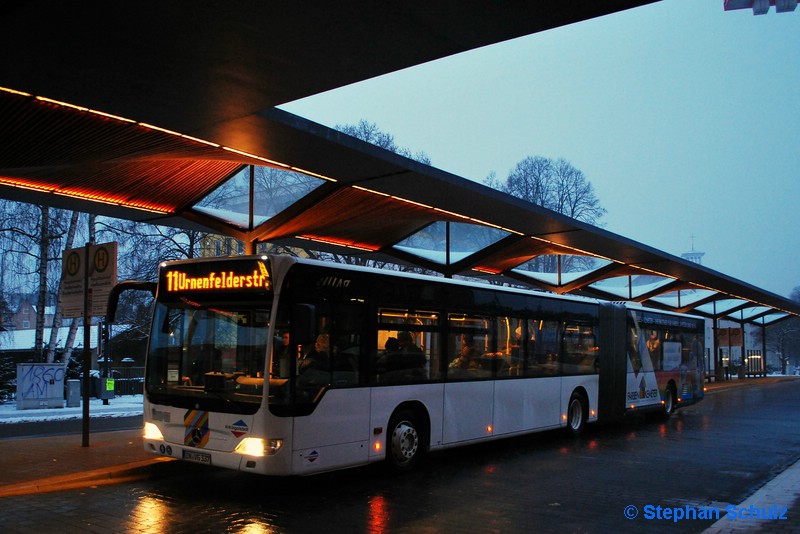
<point x="722" y="306"/>
<point x="465" y="239"/>
<point x="274" y="190"/>
<point x="684" y="297"/>
<point x="547" y="278"/>
<point x="749" y="313"/>
<point x="628" y="287"/>
<point x="573" y="267"/>
<point x="668" y="299"/>
<point x="771" y="318"/>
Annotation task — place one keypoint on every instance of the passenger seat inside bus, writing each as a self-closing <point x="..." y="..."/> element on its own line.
<point x="401" y="367"/>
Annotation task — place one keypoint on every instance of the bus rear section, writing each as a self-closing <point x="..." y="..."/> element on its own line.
<point x="654" y="361"/>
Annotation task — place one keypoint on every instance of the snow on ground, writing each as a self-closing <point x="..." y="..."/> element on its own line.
<point x="123" y="406"/>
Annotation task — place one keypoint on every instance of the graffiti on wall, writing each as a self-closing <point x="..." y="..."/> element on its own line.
<point x="40" y="381"/>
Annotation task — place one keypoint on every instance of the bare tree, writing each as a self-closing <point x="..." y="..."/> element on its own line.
<point x="558" y="186"/>
<point x="575" y="195"/>
<point x="783" y="338"/>
<point x="57" y="320"/>
<point x="555" y="185"/>
<point x="371" y="133"/>
<point x="533" y="179"/>
<point x="33" y="236"/>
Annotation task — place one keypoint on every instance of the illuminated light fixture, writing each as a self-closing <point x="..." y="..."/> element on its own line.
<point x="476" y="221"/>
<point x="579" y="252"/>
<point x="25" y="184"/>
<point x="734" y="296"/>
<point x="151" y="431"/>
<point x="489" y="429"/>
<point x="274" y="163"/>
<point x="440" y="210"/>
<point x="166" y="131"/>
<point x="372" y="191"/>
<point x="377" y="446"/>
<point x="14" y="92"/>
<point x="177" y="134"/>
<point x="338" y="243"/>
<point x="258" y="447"/>
<point x="486" y="270"/>
<point x="84" y="109"/>
<point x="393" y="197"/>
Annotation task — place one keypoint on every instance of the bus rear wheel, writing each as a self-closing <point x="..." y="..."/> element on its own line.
<point x="669" y="401"/>
<point x="405" y="443"/>
<point x="577" y="412"/>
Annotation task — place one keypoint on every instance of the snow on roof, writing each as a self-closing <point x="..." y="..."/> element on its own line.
<point x="25" y="339"/>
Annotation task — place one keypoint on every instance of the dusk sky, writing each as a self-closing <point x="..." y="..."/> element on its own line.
<point x="685" y="118"/>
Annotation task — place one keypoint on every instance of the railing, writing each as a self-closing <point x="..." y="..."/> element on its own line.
<point x="754" y="364"/>
<point x="128" y="386"/>
<point x="128" y="380"/>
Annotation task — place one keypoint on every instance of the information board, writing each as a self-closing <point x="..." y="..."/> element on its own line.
<point x="102" y="264"/>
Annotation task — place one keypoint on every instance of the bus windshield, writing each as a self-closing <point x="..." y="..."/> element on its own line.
<point x="208" y="356"/>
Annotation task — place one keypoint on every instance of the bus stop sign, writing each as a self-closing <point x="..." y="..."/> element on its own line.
<point x="102" y="265"/>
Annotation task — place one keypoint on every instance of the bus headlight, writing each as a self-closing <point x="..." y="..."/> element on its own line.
<point x="151" y="431"/>
<point x="259" y="447"/>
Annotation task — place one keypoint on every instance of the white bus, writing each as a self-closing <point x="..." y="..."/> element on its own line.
<point x="283" y="366"/>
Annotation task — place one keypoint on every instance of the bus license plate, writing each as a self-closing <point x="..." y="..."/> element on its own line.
<point x="199" y="457"/>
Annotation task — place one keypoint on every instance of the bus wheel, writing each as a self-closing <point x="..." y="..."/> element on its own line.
<point x="669" y="400"/>
<point x="405" y="441"/>
<point x="576" y="414"/>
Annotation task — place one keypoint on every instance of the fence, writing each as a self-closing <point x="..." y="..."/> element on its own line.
<point x="754" y="364"/>
<point x="128" y="381"/>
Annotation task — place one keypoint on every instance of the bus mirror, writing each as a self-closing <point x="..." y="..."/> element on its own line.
<point x="117" y="290"/>
<point x="303" y="321"/>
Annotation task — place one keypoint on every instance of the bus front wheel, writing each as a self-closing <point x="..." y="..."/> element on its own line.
<point x="405" y="443"/>
<point x="577" y="412"/>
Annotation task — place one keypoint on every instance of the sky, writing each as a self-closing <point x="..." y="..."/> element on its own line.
<point x="685" y="118"/>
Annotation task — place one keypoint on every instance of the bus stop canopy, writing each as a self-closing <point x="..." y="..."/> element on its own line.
<point x="166" y="114"/>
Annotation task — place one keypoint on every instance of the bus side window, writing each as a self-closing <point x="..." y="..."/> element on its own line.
<point x="507" y="357"/>
<point x="407" y="347"/>
<point x="542" y="348"/>
<point x="346" y="349"/>
<point x="470" y="344"/>
<point x="579" y="349"/>
<point x="314" y="364"/>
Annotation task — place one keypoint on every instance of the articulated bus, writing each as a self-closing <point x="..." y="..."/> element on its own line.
<point x="284" y="366"/>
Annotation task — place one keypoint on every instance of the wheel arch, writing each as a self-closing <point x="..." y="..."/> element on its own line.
<point x="421" y="411"/>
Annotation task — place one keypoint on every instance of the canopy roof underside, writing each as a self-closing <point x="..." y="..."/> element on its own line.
<point x="168" y="116"/>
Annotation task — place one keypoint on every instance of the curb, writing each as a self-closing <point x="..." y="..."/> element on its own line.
<point x="96" y="477"/>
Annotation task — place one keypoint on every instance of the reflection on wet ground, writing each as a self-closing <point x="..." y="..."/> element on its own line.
<point x="718" y="451"/>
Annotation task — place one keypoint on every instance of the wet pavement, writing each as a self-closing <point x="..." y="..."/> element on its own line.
<point x="735" y="452"/>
